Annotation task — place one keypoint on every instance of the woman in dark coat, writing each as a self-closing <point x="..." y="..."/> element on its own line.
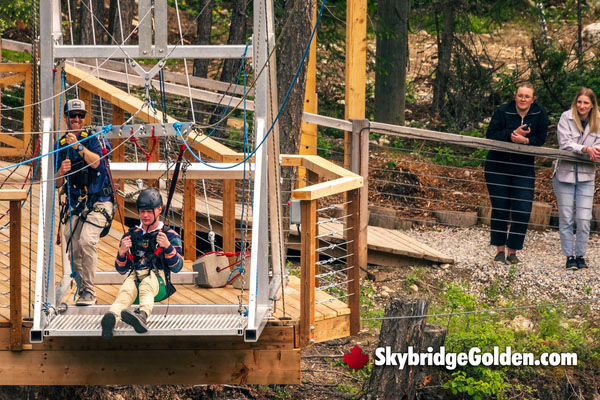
<point x="510" y="177"/>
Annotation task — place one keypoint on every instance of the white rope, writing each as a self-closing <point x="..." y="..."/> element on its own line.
<point x="123" y="42"/>
<point x="72" y="39"/>
<point x="187" y="76"/>
<point x="97" y="71"/>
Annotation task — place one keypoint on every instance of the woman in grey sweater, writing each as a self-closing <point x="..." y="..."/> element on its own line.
<point x="578" y="131"/>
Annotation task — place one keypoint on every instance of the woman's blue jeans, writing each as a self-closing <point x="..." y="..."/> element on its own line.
<point x="575" y="202"/>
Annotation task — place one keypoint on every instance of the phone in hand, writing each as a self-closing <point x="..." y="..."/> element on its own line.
<point x="526" y="127"/>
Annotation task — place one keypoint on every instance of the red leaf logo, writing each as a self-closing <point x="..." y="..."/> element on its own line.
<point x="356" y="359"/>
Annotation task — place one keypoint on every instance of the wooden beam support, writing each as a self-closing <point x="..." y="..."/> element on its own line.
<point x="189" y="219"/>
<point x="16" y="305"/>
<point x="13" y="194"/>
<point x="15" y="67"/>
<point x="357" y="245"/>
<point x="12" y="141"/>
<point x="229" y="216"/>
<point x="13" y="79"/>
<point x="356" y="65"/>
<point x="308" y="135"/>
<point x="328" y="188"/>
<point x="112" y="94"/>
<point x="118" y="155"/>
<point x="150" y="367"/>
<point x="11" y="152"/>
<point x="27" y="113"/>
<point x="307" y="270"/>
<point x="212" y="148"/>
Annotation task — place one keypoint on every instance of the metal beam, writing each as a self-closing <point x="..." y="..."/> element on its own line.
<point x="129" y="51"/>
<point x="155" y="170"/>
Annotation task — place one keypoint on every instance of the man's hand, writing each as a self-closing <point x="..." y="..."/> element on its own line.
<point x="162" y="240"/>
<point x="65" y="167"/>
<point x="71" y="138"/>
<point x="125" y="246"/>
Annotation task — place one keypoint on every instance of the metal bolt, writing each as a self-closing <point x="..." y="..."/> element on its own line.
<point x="312" y="328"/>
<point x="312" y="341"/>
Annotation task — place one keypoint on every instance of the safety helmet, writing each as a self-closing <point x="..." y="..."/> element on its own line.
<point x="75" y="105"/>
<point x="149" y="199"/>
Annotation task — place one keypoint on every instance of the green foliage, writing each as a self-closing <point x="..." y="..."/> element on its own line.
<point x="12" y="11"/>
<point x="552" y="332"/>
<point x="15" y="56"/>
<point x="368" y="306"/>
<point x="492" y="383"/>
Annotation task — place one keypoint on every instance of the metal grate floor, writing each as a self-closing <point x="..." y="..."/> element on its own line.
<point x="172" y="320"/>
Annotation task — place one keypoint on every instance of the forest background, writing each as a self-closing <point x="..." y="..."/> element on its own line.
<point x="437" y="64"/>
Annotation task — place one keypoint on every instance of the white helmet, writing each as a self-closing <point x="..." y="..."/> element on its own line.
<point x="75" y="105"/>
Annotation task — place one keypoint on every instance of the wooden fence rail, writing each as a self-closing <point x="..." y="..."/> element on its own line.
<point x="15" y="197"/>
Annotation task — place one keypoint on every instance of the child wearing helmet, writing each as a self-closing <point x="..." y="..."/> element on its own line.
<point x="149" y="252"/>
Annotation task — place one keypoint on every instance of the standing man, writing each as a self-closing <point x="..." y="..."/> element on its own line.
<point x="149" y="253"/>
<point x="90" y="197"/>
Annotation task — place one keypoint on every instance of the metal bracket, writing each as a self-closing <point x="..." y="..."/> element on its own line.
<point x="145" y="130"/>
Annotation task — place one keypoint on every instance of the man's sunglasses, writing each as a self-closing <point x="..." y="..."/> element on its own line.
<point x="74" y="115"/>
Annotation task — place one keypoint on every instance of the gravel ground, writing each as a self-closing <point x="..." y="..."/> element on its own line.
<point x="541" y="275"/>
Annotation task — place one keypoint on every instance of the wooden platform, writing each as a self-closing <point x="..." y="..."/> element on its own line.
<point x="275" y="358"/>
<point x="389" y="247"/>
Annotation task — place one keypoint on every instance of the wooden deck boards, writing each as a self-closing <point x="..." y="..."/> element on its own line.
<point x="107" y="248"/>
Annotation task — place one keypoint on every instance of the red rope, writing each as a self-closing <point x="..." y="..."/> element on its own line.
<point x="147" y="154"/>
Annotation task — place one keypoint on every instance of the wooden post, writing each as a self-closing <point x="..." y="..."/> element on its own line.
<point x="16" y="307"/>
<point x="307" y="270"/>
<point x="189" y="219"/>
<point x="27" y="113"/>
<point x="354" y="249"/>
<point x="356" y="65"/>
<point x="118" y="155"/>
<point x="229" y="216"/>
<point x="312" y="178"/>
<point x="308" y="135"/>
<point x="360" y="166"/>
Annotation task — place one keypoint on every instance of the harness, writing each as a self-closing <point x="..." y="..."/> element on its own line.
<point x="146" y="252"/>
<point x="81" y="179"/>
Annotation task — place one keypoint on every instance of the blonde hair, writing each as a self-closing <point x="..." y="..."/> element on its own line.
<point x="594" y="115"/>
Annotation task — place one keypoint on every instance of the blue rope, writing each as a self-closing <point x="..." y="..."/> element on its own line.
<point x="281" y="107"/>
<point x="46" y="154"/>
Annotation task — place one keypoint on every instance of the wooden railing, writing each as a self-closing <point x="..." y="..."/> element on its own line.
<point x="335" y="180"/>
<point x="18" y="72"/>
<point x="15" y="197"/>
<point x="339" y="181"/>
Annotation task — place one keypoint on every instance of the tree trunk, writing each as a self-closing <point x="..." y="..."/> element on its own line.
<point x="203" y="35"/>
<point x="231" y="66"/>
<point x="390" y="382"/>
<point x="87" y="21"/>
<point x="298" y="16"/>
<point x="445" y="43"/>
<point x="114" y="24"/>
<point x="205" y="7"/>
<point x="392" y="57"/>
